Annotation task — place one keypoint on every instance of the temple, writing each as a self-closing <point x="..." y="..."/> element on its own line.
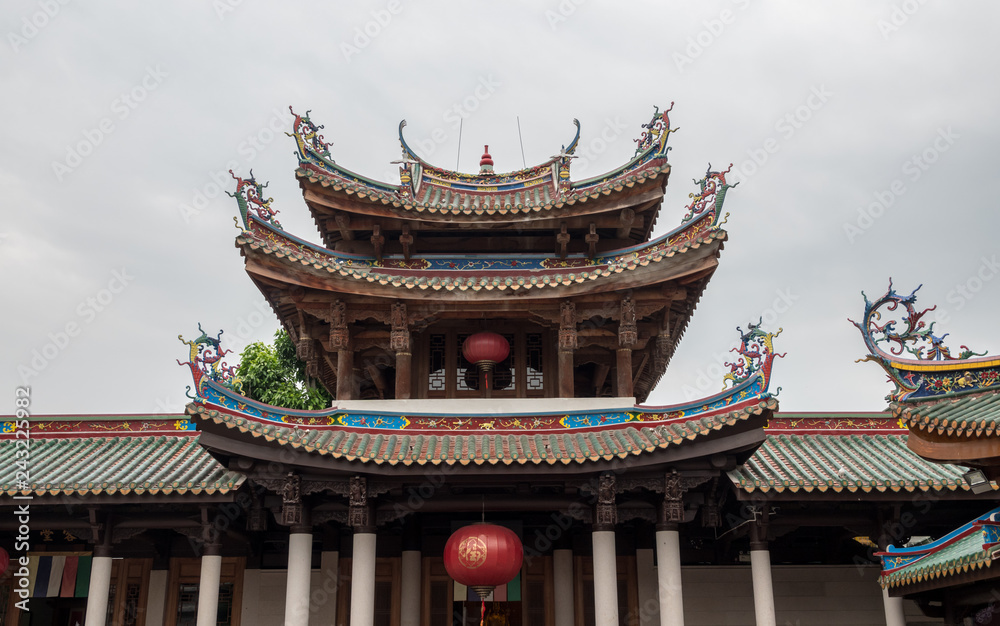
<point x="489" y="340"/>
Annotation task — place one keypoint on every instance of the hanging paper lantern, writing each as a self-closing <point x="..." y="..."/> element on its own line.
<point x="4" y="561"/>
<point x="485" y="349"/>
<point x="482" y="556"/>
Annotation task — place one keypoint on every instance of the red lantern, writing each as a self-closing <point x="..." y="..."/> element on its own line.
<point x="485" y="349"/>
<point x="4" y="561"/>
<point x="483" y="556"/>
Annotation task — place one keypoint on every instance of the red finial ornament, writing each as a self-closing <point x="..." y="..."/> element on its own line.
<point x="486" y="163"/>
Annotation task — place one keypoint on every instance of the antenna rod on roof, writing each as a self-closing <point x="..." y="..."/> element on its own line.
<point x="459" y="155"/>
<point x="523" y="163"/>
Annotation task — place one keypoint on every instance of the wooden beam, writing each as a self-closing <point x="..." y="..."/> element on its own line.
<point x="625" y="220"/>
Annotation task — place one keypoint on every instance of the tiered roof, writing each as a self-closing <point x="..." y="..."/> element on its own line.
<point x="348" y="438"/>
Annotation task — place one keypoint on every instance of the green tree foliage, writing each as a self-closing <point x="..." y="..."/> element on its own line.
<point x="271" y="373"/>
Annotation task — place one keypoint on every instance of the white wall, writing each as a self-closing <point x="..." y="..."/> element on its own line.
<point x="827" y="595"/>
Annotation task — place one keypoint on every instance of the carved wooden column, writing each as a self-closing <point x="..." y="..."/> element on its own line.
<point x="605" y="565"/>
<point x="360" y="517"/>
<point x="567" y="344"/>
<point x="399" y="342"/>
<point x="627" y="338"/>
<point x="668" y="551"/>
<point x="340" y="340"/>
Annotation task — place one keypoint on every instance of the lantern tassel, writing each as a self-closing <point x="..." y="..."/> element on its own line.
<point x="482" y="614"/>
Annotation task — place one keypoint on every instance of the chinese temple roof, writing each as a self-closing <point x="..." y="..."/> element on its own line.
<point x="967" y="552"/>
<point x="842" y="453"/>
<point x="436" y="194"/>
<point x="111" y="455"/>
<point x="352" y="437"/>
<point x="948" y="401"/>
<point x="690" y="248"/>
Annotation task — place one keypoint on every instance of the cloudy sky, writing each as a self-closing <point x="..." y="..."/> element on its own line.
<point x="864" y="135"/>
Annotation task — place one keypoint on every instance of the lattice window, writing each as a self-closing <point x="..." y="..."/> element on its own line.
<point x="225" y="615"/>
<point x="437" y="380"/>
<point x="111" y="604"/>
<point x="533" y="347"/>
<point x="383" y="603"/>
<point x="187" y="605"/>
<point x="131" y="617"/>
<point x="534" y="597"/>
<point x="440" y="611"/>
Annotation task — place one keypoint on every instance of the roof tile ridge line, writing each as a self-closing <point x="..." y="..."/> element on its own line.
<point x="153" y="465"/>
<point x="785" y="462"/>
<point x="139" y="454"/>
<point x="40" y="455"/>
<point x="795" y="457"/>
<point x="64" y="468"/>
<point x="112" y="452"/>
<point x="759" y="467"/>
<point x="835" y="454"/>
<point x="191" y="460"/>
<point x="891" y="472"/>
<point x="933" y="470"/>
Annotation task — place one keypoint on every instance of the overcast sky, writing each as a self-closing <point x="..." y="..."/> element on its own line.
<point x="865" y="136"/>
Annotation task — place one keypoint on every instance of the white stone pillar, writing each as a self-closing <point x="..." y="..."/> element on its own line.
<point x="300" y="542"/>
<point x="100" y="583"/>
<point x="562" y="587"/>
<point x="668" y="576"/>
<point x="208" y="586"/>
<point x="363" y="580"/>
<point x="605" y="578"/>
<point x="649" y="602"/>
<point x="409" y="590"/>
<point x="763" y="591"/>
<point x="893" y="609"/>
<point x="156" y="600"/>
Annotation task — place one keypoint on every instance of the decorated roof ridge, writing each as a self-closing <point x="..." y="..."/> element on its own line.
<point x="750" y="385"/>
<point x="514" y="442"/>
<point x="138" y="425"/>
<point x="935" y="373"/>
<point x="428" y="188"/>
<point x="843" y="461"/>
<point x="835" y="423"/>
<point x="972" y="546"/>
<point x="410" y="156"/>
<point x="702" y="225"/>
<point x="119" y="464"/>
